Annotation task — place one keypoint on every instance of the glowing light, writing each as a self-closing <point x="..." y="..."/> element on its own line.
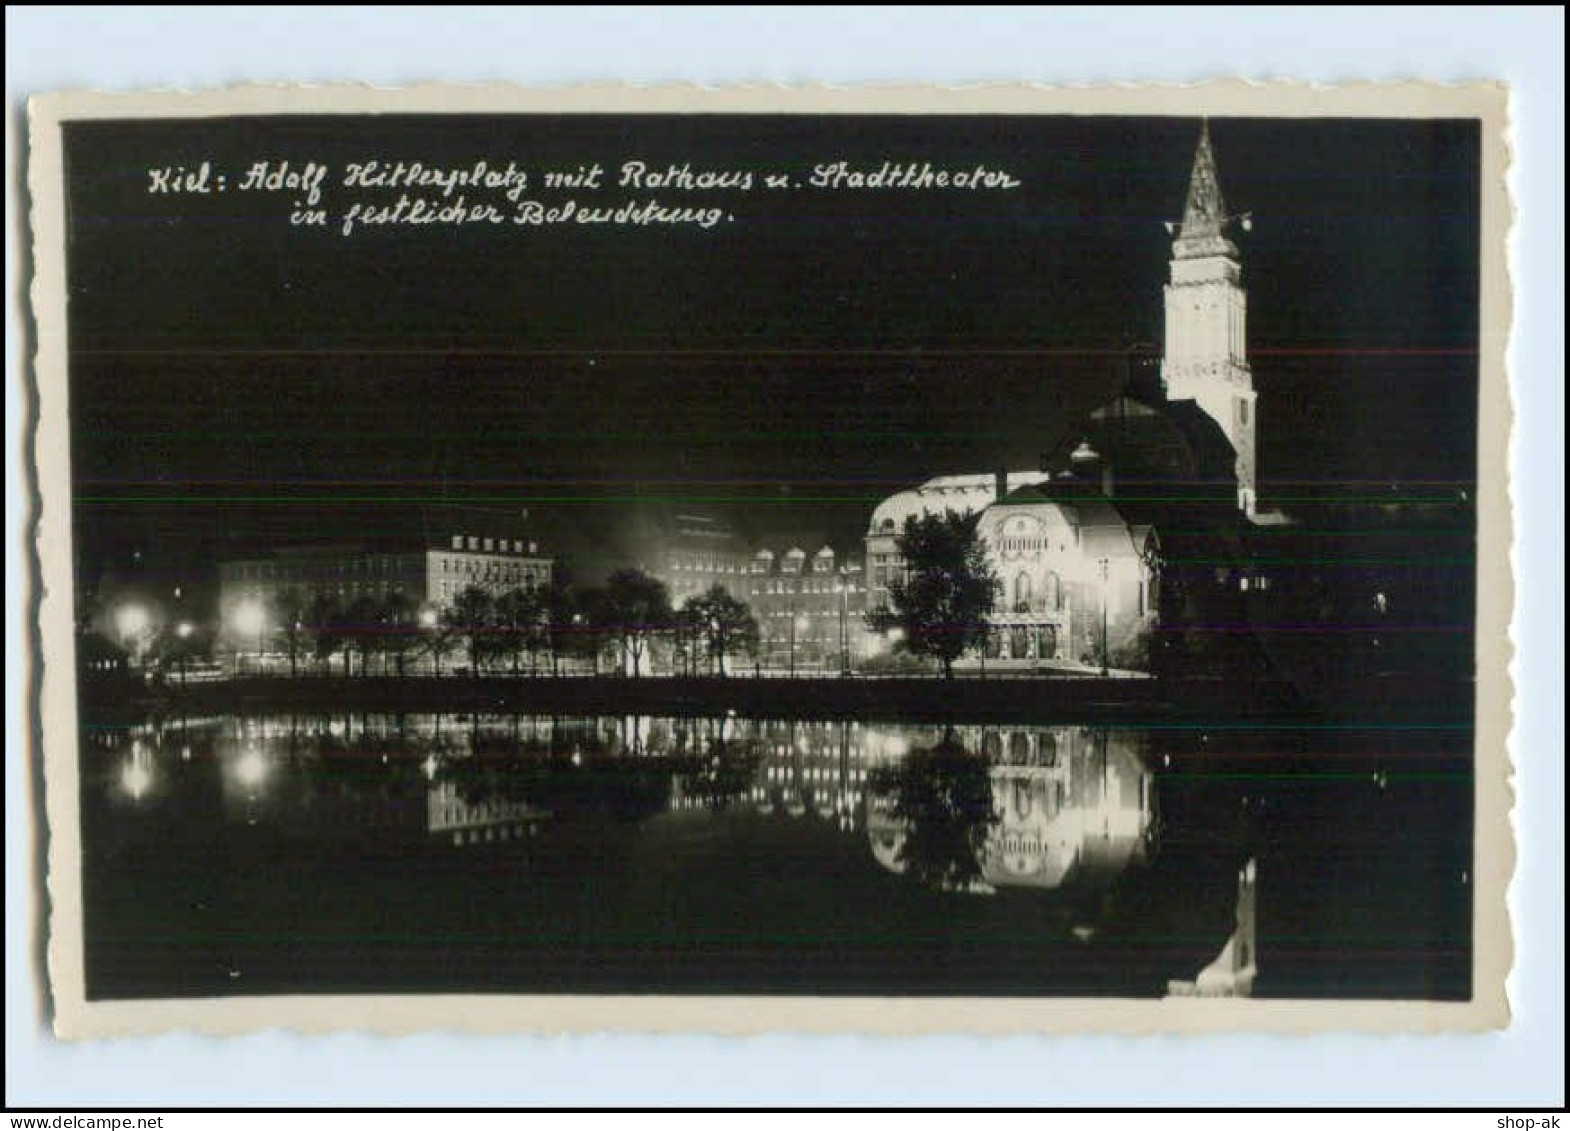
<point x="251" y="769"/>
<point x="132" y="620"/>
<point x="428" y="617"/>
<point x="250" y="618"/>
<point x="184" y="630"/>
<point x="429" y="766"/>
<point x="136" y="778"/>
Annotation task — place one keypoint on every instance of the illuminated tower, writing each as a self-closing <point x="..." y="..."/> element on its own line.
<point x="1206" y="355"/>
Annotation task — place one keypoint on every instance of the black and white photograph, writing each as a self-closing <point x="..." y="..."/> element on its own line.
<point x="683" y="548"/>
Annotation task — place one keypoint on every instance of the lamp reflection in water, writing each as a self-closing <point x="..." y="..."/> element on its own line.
<point x="249" y="772"/>
<point x="137" y="775"/>
<point x="251" y="768"/>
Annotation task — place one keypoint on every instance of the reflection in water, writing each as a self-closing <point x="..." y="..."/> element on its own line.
<point x="1048" y="807"/>
<point x="931" y="814"/>
<point x="635" y="852"/>
<point x="967" y="808"/>
<point x="1233" y="972"/>
<point x="136" y="775"/>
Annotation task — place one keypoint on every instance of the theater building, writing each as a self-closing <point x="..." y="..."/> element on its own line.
<point x="1165" y="470"/>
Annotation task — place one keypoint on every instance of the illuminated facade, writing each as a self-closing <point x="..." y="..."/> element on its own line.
<point x="1075" y="544"/>
<point x="256" y="594"/>
<point x="1078" y="585"/>
<point x="691" y="553"/>
<point x="1206" y="354"/>
<point x="810" y="610"/>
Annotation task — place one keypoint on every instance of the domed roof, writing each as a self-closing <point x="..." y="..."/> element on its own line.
<point x="959" y="493"/>
<point x="1103" y="531"/>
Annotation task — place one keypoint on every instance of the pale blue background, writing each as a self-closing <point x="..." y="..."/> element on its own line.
<point x="117" y="49"/>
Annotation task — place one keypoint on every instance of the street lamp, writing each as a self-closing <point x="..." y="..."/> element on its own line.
<point x="1103" y="564"/>
<point x="842" y="587"/>
<point x="183" y="631"/>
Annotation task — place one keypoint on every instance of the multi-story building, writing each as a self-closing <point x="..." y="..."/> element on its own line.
<point x="258" y="595"/>
<point x="810" y="611"/>
<point x="691" y="553"/>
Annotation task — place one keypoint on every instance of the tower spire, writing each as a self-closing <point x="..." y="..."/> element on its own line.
<point x="1205" y="213"/>
<point x="1206" y="355"/>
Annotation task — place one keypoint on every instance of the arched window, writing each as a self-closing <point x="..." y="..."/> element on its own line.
<point x="1022" y="593"/>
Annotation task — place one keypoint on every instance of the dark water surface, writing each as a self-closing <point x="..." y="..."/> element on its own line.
<point x="289" y="853"/>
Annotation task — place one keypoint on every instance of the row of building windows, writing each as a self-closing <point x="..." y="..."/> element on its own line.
<point x="493" y="545"/>
<point x="492" y="571"/>
<point x="706" y="565"/>
<point x="305" y="572"/>
<point x="315" y="571"/>
<point x="816" y="587"/>
<point x="343" y="591"/>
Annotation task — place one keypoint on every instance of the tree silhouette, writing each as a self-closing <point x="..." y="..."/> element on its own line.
<point x="520" y="615"/>
<point x="472" y="618"/>
<point x="294" y="625"/>
<point x="559" y="605"/>
<point x="687" y="635"/>
<point x="591" y="632"/>
<point x="438" y="637"/>
<point x="942" y="604"/>
<point x="636" y="609"/>
<point x="727" y="625"/>
<point x="325" y="622"/>
<point x="400" y="631"/>
<point x="943" y="796"/>
<point x="360" y="627"/>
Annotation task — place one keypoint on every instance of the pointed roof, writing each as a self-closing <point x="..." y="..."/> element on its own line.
<point x="1205" y="213"/>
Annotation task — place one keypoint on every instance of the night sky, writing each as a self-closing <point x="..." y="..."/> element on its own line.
<point x="238" y="383"/>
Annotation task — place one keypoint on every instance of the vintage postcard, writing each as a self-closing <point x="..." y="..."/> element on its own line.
<point x="889" y="560"/>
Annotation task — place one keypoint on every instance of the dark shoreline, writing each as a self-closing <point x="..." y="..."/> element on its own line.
<point x="1082" y="699"/>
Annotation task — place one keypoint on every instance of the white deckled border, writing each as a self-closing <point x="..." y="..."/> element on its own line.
<point x="1494" y="841"/>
